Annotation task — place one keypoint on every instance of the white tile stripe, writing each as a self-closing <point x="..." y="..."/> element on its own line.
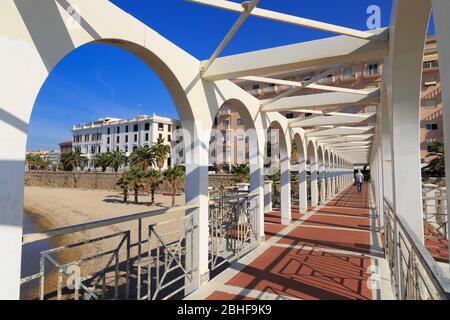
<point x="252" y="293"/>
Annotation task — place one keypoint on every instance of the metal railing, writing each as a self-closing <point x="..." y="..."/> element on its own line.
<point x="155" y="266"/>
<point x="232" y="229"/>
<point x="435" y="212"/>
<point x="415" y="274"/>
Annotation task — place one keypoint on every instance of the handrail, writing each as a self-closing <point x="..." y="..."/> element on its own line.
<point x="37" y="236"/>
<point x="433" y="270"/>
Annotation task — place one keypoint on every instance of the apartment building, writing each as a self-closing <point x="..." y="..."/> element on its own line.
<point x="229" y="142"/>
<point x="366" y="75"/>
<point x="126" y="135"/>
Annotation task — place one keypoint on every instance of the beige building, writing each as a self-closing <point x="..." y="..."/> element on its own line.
<point x="359" y="75"/>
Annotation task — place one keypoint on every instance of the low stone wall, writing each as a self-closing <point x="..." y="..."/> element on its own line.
<point x="104" y="180"/>
<point x="72" y="180"/>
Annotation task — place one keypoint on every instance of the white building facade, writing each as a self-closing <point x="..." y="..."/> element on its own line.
<point x="126" y="135"/>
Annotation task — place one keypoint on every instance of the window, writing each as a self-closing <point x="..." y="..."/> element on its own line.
<point x="430" y="103"/>
<point x="135" y="138"/>
<point x="92" y="149"/>
<point x="118" y="148"/>
<point x="118" y="129"/>
<point x="226" y="123"/>
<point x="169" y="127"/>
<point x="430" y="148"/>
<point x="126" y="138"/>
<point x="147" y="126"/>
<point x="240" y="137"/>
<point x="86" y="138"/>
<point x="126" y="148"/>
<point x="99" y="149"/>
<point x="255" y="86"/>
<point x="431" y="64"/>
<point x="169" y="162"/>
<point x="160" y="127"/>
<point x="108" y="140"/>
<point x="290" y="115"/>
<point x="169" y="138"/>
<point x="109" y="130"/>
<point x="308" y="115"/>
<point x="135" y="128"/>
<point x="160" y="136"/>
<point x="307" y="78"/>
<point x="372" y="108"/>
<point x="372" y="69"/>
<point x="432" y="126"/>
<point x="240" y="122"/>
<point x="126" y="129"/>
<point x="347" y="73"/>
<point x="118" y="139"/>
<point x="270" y="85"/>
<point x="134" y="148"/>
<point x="146" y="137"/>
<point x="107" y="149"/>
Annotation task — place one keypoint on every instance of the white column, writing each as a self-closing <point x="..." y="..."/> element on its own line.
<point x="314" y="189"/>
<point x="268" y="196"/>
<point x="441" y="12"/>
<point x="302" y="186"/>
<point x="403" y="79"/>
<point x="285" y="167"/>
<point x="256" y="160"/>
<point x="196" y="156"/>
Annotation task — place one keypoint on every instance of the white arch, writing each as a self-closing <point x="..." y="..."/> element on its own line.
<point x="35" y="37"/>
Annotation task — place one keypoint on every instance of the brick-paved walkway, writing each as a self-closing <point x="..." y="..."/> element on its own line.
<point x="325" y="254"/>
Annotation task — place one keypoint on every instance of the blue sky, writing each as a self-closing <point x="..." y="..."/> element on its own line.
<point x="100" y="80"/>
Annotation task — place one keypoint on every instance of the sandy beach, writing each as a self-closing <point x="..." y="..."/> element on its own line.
<point x="54" y="207"/>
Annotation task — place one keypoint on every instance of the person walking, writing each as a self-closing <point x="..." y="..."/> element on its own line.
<point x="359" y="178"/>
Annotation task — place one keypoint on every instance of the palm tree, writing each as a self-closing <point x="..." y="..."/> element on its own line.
<point x="102" y="160"/>
<point x="71" y="160"/>
<point x="34" y="161"/>
<point x="135" y="177"/>
<point x="241" y="172"/>
<point x="174" y="175"/>
<point x="437" y="164"/>
<point x="142" y="157"/>
<point x="152" y="179"/>
<point x="117" y="159"/>
<point x="124" y="184"/>
<point x="160" y="151"/>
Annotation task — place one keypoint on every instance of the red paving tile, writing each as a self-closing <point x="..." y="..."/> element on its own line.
<point x="355" y="241"/>
<point x="325" y="220"/>
<point x="272" y="229"/>
<point x="312" y="274"/>
<point x="342" y="211"/>
<point x="219" y="295"/>
<point x="275" y="216"/>
<point x="306" y="274"/>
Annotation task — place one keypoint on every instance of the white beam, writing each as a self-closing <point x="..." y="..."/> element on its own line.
<point x="341" y="131"/>
<point x="245" y="9"/>
<point x="326" y="121"/>
<point x="361" y="137"/>
<point x="299" y="84"/>
<point x="324" y="52"/>
<point x="286" y="18"/>
<point x="322" y="100"/>
<point x="290" y="92"/>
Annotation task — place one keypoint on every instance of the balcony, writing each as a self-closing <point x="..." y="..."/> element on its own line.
<point x="372" y="73"/>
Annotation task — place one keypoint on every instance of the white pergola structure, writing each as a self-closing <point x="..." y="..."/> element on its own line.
<point x="35" y="37"/>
